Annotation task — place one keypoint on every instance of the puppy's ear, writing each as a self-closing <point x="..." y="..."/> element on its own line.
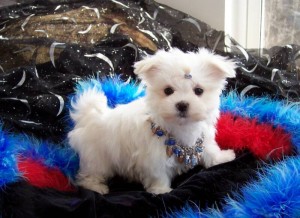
<point x="219" y="66"/>
<point x="146" y="67"/>
<point x="223" y="68"/>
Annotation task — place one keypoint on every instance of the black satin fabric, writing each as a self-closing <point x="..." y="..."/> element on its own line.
<point x="199" y="187"/>
<point x="32" y="91"/>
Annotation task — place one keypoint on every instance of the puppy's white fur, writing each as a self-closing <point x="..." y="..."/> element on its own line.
<point x="120" y="141"/>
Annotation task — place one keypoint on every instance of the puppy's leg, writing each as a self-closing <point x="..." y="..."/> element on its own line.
<point x="95" y="183"/>
<point x="158" y="185"/>
<point x="213" y="155"/>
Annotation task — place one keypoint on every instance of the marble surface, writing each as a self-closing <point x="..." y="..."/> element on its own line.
<point x="4" y="3"/>
<point x="282" y="22"/>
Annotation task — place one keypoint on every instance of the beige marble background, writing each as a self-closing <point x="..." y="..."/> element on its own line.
<point x="282" y="22"/>
<point x="7" y="2"/>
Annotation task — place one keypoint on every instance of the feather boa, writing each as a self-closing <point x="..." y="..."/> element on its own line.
<point x="275" y="194"/>
<point x="27" y="157"/>
<point x="274" y="125"/>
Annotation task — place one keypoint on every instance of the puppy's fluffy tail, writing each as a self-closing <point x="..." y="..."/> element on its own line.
<point x="90" y="102"/>
<point x="91" y="96"/>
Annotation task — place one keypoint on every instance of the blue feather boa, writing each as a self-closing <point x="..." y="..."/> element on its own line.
<point x="8" y="160"/>
<point x="276" y="194"/>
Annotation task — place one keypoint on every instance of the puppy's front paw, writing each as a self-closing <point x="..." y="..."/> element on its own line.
<point x="159" y="190"/>
<point x="94" y="185"/>
<point x="224" y="156"/>
<point x="100" y="188"/>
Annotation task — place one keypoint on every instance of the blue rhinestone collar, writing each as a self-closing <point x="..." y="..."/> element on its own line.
<point x="189" y="156"/>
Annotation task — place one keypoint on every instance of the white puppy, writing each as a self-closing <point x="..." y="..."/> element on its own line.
<point x="152" y="139"/>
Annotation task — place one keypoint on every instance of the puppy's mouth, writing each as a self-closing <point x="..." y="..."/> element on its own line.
<point x="190" y="117"/>
<point x="182" y="115"/>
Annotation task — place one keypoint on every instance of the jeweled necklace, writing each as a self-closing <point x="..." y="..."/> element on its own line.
<point x="189" y="155"/>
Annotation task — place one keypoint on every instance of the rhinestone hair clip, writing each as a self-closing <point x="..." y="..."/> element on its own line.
<point x="187" y="76"/>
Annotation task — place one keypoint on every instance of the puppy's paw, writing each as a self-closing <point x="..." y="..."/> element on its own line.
<point x="100" y="188"/>
<point x="224" y="156"/>
<point x="159" y="190"/>
<point x="94" y="185"/>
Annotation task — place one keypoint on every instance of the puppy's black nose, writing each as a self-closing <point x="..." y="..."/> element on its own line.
<point x="182" y="106"/>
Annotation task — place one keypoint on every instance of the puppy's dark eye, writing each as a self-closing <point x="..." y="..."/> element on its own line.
<point x="198" y="91"/>
<point x="168" y="91"/>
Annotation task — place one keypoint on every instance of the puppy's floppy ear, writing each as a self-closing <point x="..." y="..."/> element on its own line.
<point x="224" y="68"/>
<point x="219" y="66"/>
<point x="145" y="66"/>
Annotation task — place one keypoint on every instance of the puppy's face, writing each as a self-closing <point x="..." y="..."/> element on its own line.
<point x="184" y="87"/>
